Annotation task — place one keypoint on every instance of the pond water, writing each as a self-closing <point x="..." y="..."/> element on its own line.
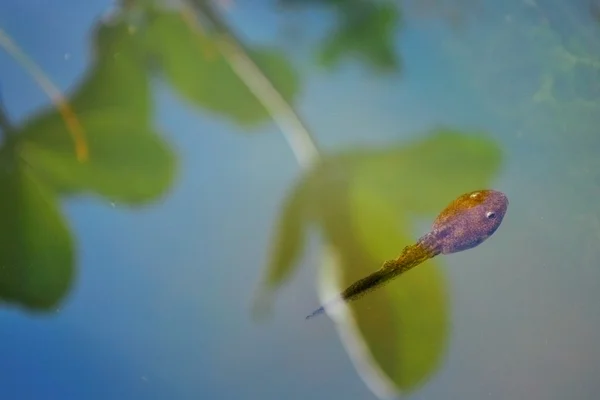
<point x="184" y="181"/>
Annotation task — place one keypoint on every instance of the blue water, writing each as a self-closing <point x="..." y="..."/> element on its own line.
<point x="161" y="303"/>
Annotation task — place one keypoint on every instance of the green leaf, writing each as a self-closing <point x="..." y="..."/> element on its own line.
<point x="423" y="175"/>
<point x="115" y="83"/>
<point x="416" y="302"/>
<point x="288" y="244"/>
<point x="128" y="162"/>
<point x="364" y="201"/>
<point x="191" y="63"/>
<point x="368" y="199"/>
<point x="403" y="326"/>
<point x="289" y="236"/>
<point x="367" y="32"/>
<point x="117" y="80"/>
<point x="36" y="249"/>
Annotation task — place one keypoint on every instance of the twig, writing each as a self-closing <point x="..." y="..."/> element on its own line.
<point x="71" y="121"/>
<point x="293" y="129"/>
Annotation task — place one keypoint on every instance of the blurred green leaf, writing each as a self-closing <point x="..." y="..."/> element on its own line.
<point x="117" y="80"/>
<point x="367" y="32"/>
<point x="416" y="301"/>
<point x="287" y="246"/>
<point x="191" y="62"/>
<point x="364" y="202"/>
<point x="375" y="316"/>
<point x="36" y="249"/>
<point x="403" y="325"/>
<point x="289" y="235"/>
<point x="420" y="176"/>
<point x="128" y="162"/>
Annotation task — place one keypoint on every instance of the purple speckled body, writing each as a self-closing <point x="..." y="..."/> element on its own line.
<point x="467" y="222"/>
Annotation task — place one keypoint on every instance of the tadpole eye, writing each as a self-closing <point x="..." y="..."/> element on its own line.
<point x="490" y="215"/>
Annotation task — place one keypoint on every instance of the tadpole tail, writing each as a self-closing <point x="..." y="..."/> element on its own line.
<point x="410" y="257"/>
<point x="318" y="311"/>
<point x="360" y="288"/>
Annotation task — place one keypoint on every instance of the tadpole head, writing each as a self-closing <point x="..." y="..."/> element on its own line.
<point x="470" y="219"/>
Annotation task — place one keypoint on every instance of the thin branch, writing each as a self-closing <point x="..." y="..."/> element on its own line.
<point x="64" y="108"/>
<point x="293" y="129"/>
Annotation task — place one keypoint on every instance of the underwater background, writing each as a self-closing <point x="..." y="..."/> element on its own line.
<point x="182" y="182"/>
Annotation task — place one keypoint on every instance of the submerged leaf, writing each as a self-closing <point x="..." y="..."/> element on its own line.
<point x="288" y="244"/>
<point x="421" y="176"/>
<point x="366" y="32"/>
<point x="117" y="80"/>
<point x="115" y="83"/>
<point x="130" y="163"/>
<point x="190" y="61"/>
<point x="364" y="202"/>
<point x="416" y="301"/>
<point x="396" y="337"/>
<point x="289" y="236"/>
<point x="397" y="334"/>
<point x="403" y="325"/>
<point x="36" y="248"/>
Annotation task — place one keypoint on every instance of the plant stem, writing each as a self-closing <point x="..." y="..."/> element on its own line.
<point x="296" y="133"/>
<point x="64" y="108"/>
